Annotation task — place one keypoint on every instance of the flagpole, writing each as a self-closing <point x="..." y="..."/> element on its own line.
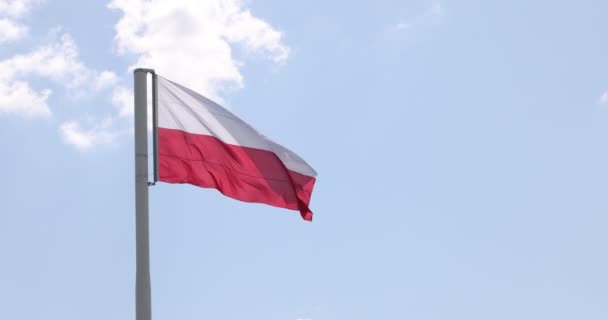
<point x="143" y="307"/>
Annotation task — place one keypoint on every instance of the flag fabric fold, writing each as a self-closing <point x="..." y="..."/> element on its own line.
<point x="203" y="144"/>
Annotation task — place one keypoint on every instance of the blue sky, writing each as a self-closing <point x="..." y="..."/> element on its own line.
<point x="460" y="145"/>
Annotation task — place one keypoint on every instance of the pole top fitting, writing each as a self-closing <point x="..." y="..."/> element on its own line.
<point x="144" y="70"/>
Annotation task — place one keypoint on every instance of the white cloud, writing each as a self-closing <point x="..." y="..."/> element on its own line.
<point x="17" y="8"/>
<point x="255" y="34"/>
<point x="10" y="12"/>
<point x="122" y="98"/>
<point x="11" y="30"/>
<point x="19" y="98"/>
<point x="58" y="62"/>
<point x="85" y="139"/>
<point x="604" y="98"/>
<point x="105" y="79"/>
<point x="190" y="41"/>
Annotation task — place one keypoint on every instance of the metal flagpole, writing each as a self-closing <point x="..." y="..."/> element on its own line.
<point x="143" y="308"/>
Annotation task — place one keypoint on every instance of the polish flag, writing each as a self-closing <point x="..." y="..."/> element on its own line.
<point x="203" y="144"/>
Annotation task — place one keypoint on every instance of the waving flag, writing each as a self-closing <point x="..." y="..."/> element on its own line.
<point x="203" y="144"/>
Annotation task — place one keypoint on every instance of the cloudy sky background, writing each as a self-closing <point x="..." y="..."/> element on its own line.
<point x="461" y="150"/>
